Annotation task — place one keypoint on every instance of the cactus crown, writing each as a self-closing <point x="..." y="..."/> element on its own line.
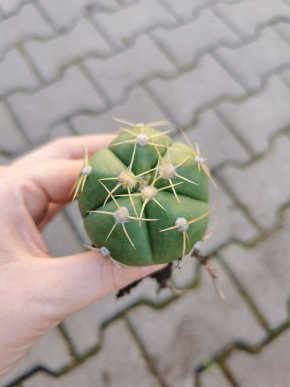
<point x="144" y="199"/>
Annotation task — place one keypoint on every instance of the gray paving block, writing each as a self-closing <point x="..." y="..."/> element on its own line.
<point x="264" y="271"/>
<point x="259" y="117"/>
<point x="215" y="140"/>
<point x="50" y="351"/>
<point x="191" y="91"/>
<point x="268" y="368"/>
<point x="120" y="73"/>
<point x="137" y="107"/>
<point x="119" y="364"/>
<point x="16" y="74"/>
<point x="124" y="26"/>
<point x="187" y="9"/>
<point x="181" y="336"/>
<point x="61" y="130"/>
<point x="185" y="44"/>
<point x="11" y="138"/>
<point x="227" y="222"/>
<point x="214" y="377"/>
<point x="51" y="56"/>
<point x="40" y="111"/>
<point x="63" y="13"/>
<point x="257" y="60"/>
<point x="11" y="6"/>
<point x="246" y="17"/>
<point x="84" y="327"/>
<point x="283" y="29"/>
<point x="263" y="187"/>
<point x="25" y="25"/>
<point x="60" y="237"/>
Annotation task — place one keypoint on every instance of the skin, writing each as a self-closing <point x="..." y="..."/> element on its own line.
<point x="37" y="290"/>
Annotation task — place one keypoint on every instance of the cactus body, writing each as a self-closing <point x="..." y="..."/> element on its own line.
<point x="145" y="198"/>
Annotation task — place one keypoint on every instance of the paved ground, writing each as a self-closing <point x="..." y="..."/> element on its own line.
<point x="221" y="70"/>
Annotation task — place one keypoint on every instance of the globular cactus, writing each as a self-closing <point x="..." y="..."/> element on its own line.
<point x="144" y="199"/>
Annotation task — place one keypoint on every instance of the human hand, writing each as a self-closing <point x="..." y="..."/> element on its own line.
<point x="38" y="291"/>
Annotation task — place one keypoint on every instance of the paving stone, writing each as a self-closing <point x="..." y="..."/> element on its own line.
<point x="259" y="117"/>
<point x="181" y="336"/>
<point x="64" y="13"/>
<point x="74" y="216"/>
<point x="246" y="17"/>
<point x="84" y="327"/>
<point x="50" y="351"/>
<point x="61" y="130"/>
<point x="264" y="271"/>
<point x="117" y="75"/>
<point x="227" y="222"/>
<point x="215" y="140"/>
<point x="187" y="43"/>
<point x="269" y="368"/>
<point x="25" y="25"/>
<point x="61" y="238"/>
<point x="263" y="187"/>
<point x="254" y="62"/>
<point x="191" y="91"/>
<point x="285" y="76"/>
<point x="137" y="107"/>
<point x="52" y="56"/>
<point x="119" y="364"/>
<point x="143" y="16"/>
<point x="188" y="8"/>
<point x="213" y="377"/>
<point x="283" y="29"/>
<point x="11" y="138"/>
<point x="40" y="111"/>
<point x="5" y="159"/>
<point x="15" y="74"/>
<point x="11" y="6"/>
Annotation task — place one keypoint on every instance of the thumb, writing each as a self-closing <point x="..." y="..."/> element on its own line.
<point x="76" y="281"/>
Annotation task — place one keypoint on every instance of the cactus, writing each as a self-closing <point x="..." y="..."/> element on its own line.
<point x="144" y="199"/>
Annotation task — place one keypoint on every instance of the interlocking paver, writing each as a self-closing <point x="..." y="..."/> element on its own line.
<point x="11" y="138"/>
<point x="41" y="110"/>
<point x="123" y="26"/>
<point x="214" y="378"/>
<point x="284" y="30"/>
<point x="25" y="25"/>
<point x="187" y="43"/>
<point x="51" y="56"/>
<point x="137" y="107"/>
<point x="256" y="60"/>
<point x="183" y="95"/>
<point x="61" y="238"/>
<point x="63" y="13"/>
<point x="84" y="327"/>
<point x="215" y="140"/>
<point x="263" y="187"/>
<point x="178" y="337"/>
<point x="11" y="6"/>
<point x="247" y="16"/>
<point x="50" y="351"/>
<point x="264" y="271"/>
<point x="227" y="222"/>
<point x="118" y="74"/>
<point x="16" y="74"/>
<point x="188" y="8"/>
<point x="259" y="117"/>
<point x="119" y="364"/>
<point x="268" y="368"/>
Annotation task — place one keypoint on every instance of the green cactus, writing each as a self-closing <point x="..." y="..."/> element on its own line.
<point x="144" y="199"/>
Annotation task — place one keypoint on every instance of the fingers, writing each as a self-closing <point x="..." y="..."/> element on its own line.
<point x="66" y="148"/>
<point x="75" y="282"/>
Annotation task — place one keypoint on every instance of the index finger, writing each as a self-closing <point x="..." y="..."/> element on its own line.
<point x="65" y="148"/>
